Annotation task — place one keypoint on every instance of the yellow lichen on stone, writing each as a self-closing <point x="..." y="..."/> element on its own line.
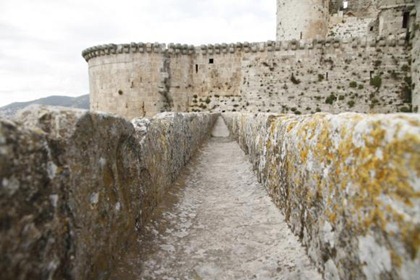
<point x="356" y="172"/>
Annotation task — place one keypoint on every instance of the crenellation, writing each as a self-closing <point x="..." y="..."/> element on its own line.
<point x="134" y="47"/>
<point x="309" y="45"/>
<point x="254" y="47"/>
<point x="140" y="47"/>
<point x="120" y="49"/>
<point x="149" y="47"/>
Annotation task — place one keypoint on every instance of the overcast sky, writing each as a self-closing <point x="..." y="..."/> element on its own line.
<point x="41" y="40"/>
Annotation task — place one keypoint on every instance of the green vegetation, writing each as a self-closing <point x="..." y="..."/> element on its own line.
<point x="353" y="84"/>
<point x="330" y="99"/>
<point x="376" y="82"/>
<point x="350" y="103"/>
<point x="321" y="77"/>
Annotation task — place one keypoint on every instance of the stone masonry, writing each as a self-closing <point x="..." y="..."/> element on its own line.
<point x="77" y="187"/>
<point x="347" y="184"/>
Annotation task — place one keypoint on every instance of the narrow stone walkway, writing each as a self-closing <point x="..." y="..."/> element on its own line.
<point x="219" y="223"/>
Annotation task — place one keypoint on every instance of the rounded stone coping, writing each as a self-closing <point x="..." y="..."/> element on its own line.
<point x="269" y="46"/>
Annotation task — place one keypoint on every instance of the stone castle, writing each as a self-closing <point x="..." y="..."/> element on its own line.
<point x="330" y="56"/>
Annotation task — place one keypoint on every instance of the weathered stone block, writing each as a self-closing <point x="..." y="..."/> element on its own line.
<point x="76" y="187"/>
<point x="348" y="185"/>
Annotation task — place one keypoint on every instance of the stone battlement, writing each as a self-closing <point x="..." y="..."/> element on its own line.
<point x="269" y="46"/>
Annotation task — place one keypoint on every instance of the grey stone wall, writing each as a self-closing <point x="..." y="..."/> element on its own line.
<point x="351" y="27"/>
<point x="347" y="184"/>
<point x="356" y="74"/>
<point x="129" y="80"/>
<point x="76" y="187"/>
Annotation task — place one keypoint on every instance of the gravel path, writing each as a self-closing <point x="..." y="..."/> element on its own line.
<point x="219" y="223"/>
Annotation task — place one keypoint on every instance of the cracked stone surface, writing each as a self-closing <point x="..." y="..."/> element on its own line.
<point x="219" y="223"/>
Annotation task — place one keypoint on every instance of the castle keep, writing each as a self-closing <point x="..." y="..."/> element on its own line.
<point x="326" y="58"/>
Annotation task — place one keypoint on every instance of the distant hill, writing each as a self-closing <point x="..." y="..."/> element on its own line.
<point x="81" y="102"/>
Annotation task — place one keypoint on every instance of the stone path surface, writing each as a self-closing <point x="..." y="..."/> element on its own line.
<point x="219" y="223"/>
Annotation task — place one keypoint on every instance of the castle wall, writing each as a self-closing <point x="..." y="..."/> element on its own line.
<point x="345" y="27"/>
<point x="218" y="70"/>
<point x="415" y="66"/>
<point x="361" y="75"/>
<point x="302" y="19"/>
<point x="391" y="21"/>
<point x="179" y="86"/>
<point x="366" y="70"/>
<point x="127" y="80"/>
<point x="363" y="8"/>
<point x="347" y="185"/>
<point x="332" y="76"/>
<point x="218" y="77"/>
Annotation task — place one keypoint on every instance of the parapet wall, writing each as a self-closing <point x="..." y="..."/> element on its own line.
<point x="359" y="74"/>
<point x="223" y="48"/>
<point x="76" y="187"/>
<point x="348" y="185"/>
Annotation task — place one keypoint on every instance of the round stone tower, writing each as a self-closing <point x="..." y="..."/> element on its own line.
<point x="128" y="79"/>
<point x="302" y="19"/>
